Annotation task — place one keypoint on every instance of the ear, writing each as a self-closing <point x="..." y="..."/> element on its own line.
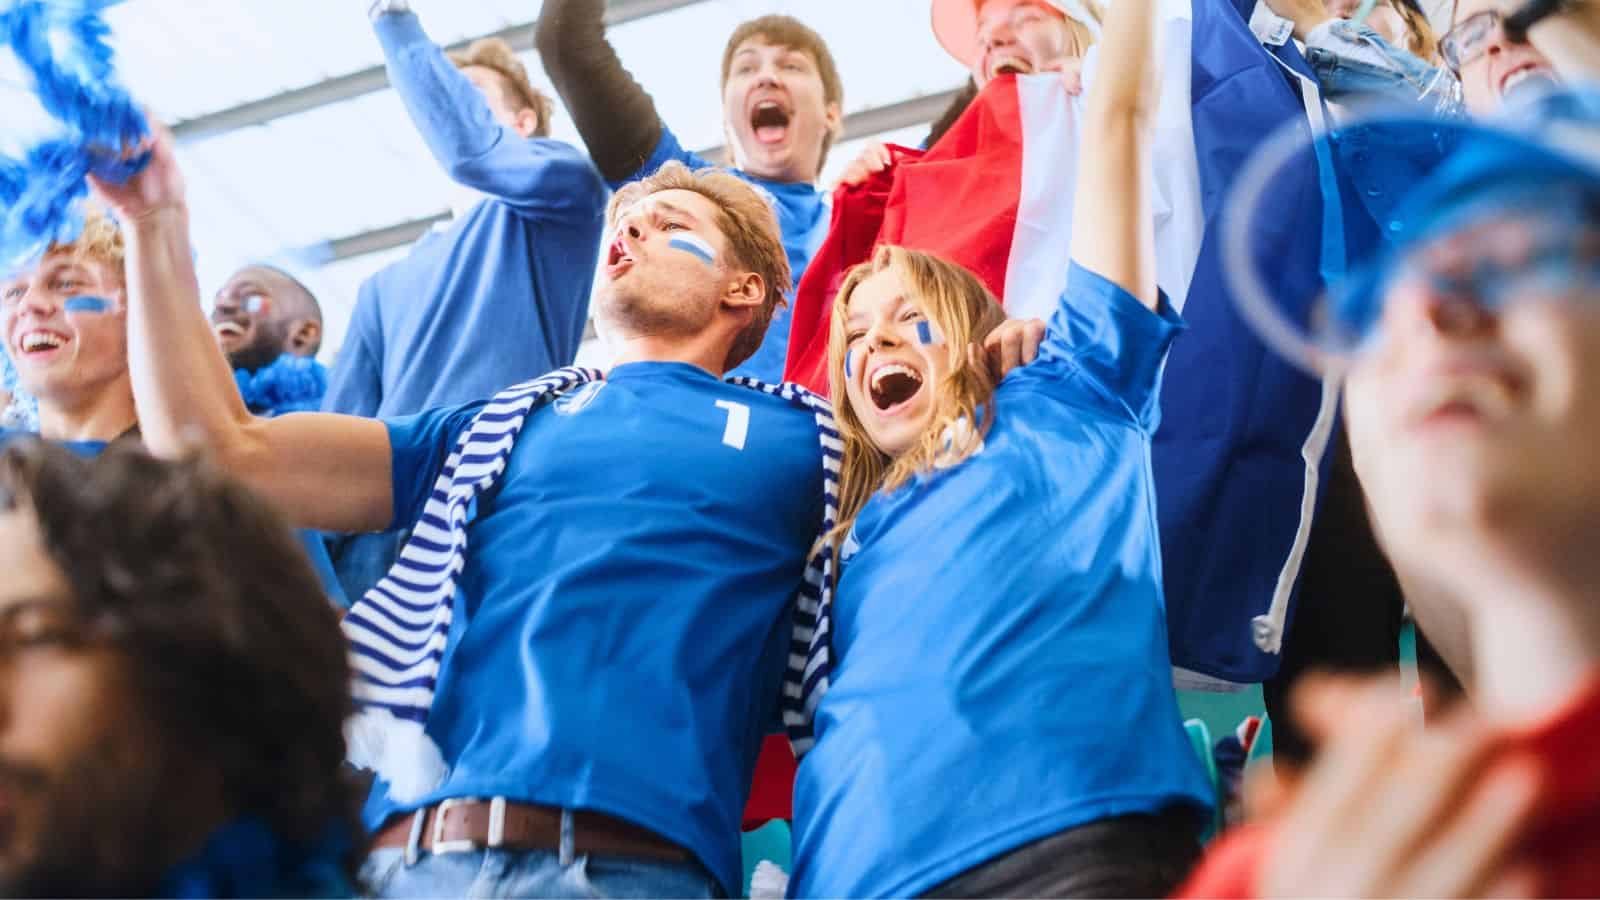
<point x="835" y="120"/>
<point x="746" y="290"/>
<point x="305" y="337"/>
<point x="527" y="122"/>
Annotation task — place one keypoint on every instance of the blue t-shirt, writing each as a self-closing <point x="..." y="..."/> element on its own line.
<point x="802" y="217"/>
<point x="499" y="297"/>
<point x="311" y="541"/>
<point x="622" y="620"/>
<point x="1000" y="655"/>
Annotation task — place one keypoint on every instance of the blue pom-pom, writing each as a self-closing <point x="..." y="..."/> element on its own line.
<point x="63" y="50"/>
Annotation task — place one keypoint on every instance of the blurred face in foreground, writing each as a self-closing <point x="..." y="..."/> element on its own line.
<point x="1474" y="413"/>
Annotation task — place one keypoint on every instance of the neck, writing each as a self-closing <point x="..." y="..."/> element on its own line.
<point x="1535" y="636"/>
<point x="105" y="415"/>
<point x="705" y="351"/>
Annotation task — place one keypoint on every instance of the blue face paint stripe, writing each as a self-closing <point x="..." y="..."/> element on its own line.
<point x="695" y="246"/>
<point x="850" y="363"/>
<point x="97" y="305"/>
<point x="927" y="334"/>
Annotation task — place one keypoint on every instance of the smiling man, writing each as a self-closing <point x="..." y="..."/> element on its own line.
<point x="782" y="103"/>
<point x="269" y="325"/>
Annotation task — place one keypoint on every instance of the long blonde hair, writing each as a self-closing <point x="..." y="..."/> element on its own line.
<point x="965" y="312"/>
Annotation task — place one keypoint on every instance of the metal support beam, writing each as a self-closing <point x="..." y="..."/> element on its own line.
<point x="371" y="80"/>
<point x="867" y="122"/>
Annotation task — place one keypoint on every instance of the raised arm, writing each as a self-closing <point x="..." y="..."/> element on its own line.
<point x="539" y="176"/>
<point x="324" y="471"/>
<point x="617" y="119"/>
<point x="1114" y="235"/>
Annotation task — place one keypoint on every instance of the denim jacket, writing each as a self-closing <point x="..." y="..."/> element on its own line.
<point x="1354" y="64"/>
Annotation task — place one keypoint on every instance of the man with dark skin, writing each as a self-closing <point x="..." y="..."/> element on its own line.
<point x="263" y="312"/>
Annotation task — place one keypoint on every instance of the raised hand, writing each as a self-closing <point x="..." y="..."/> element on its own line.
<point x="872" y="160"/>
<point x="159" y="187"/>
<point x="1013" y="343"/>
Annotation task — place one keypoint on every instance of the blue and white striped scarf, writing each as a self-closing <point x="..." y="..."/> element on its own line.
<point x="398" y="633"/>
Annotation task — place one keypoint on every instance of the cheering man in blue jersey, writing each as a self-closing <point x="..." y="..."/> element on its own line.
<point x="781" y="107"/>
<point x="591" y="618"/>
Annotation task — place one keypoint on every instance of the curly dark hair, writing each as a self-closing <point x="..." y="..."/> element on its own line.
<point x="231" y="645"/>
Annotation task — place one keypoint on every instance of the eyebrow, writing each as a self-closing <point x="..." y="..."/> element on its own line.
<point x="676" y="210"/>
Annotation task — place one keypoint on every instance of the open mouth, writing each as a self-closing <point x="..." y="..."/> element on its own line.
<point x="40" y="342"/>
<point x="619" y="257"/>
<point x="1010" y="65"/>
<point x="892" y="386"/>
<point x="229" y="330"/>
<point x="770" y="122"/>
<point x="1520" y="74"/>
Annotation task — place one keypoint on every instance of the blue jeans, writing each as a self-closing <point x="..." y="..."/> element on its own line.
<point x="531" y="873"/>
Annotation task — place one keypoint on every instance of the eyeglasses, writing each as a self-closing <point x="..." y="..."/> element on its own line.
<point x="1469" y="39"/>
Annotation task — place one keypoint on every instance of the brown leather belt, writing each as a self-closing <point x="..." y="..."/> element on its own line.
<point x="461" y="825"/>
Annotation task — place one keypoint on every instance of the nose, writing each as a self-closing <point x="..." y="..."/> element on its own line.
<point x="40" y="303"/>
<point x="224" y="305"/>
<point x="883" y="336"/>
<point x="995" y="36"/>
<point x="1443" y="314"/>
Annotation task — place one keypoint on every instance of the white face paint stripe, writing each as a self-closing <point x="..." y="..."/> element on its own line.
<point x="695" y="245"/>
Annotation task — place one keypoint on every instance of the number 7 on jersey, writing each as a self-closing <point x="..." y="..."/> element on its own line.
<point x="738" y="423"/>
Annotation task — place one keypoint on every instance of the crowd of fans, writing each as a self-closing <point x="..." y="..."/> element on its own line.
<point x="461" y="618"/>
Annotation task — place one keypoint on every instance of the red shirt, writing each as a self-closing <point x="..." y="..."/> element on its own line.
<point x="1563" y="836"/>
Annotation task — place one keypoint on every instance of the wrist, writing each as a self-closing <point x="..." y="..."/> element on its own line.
<point x="157" y="220"/>
<point x="380" y="8"/>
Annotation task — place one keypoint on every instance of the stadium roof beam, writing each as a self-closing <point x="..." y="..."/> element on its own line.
<point x="374" y="79"/>
<point x="867" y="122"/>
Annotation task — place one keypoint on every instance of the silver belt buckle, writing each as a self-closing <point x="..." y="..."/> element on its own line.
<point x="497" y="826"/>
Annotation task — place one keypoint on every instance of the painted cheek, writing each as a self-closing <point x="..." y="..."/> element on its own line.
<point x="850" y="363"/>
<point x="928" y="334"/>
<point x="695" y="246"/>
<point x="98" y="306"/>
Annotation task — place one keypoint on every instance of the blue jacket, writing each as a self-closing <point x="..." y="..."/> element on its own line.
<point x="502" y="294"/>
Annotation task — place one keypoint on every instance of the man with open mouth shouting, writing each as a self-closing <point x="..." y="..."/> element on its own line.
<point x="781" y="109"/>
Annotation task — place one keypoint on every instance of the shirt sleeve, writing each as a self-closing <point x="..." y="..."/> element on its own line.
<point x="616" y="118"/>
<point x="539" y="177"/>
<point x="668" y="149"/>
<point x="419" y="445"/>
<point x="355" y="384"/>
<point x="1105" y="334"/>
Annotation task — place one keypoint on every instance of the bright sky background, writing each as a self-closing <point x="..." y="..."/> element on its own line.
<point x="347" y="168"/>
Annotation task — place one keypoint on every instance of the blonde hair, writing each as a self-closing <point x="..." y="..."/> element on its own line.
<point x="965" y="312"/>
<point x="101" y="241"/>
<point x="747" y="223"/>
<point x="1420" y="38"/>
<point x="498" y="57"/>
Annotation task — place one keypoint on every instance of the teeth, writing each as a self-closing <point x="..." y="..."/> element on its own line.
<point x="230" y="329"/>
<point x="893" y="369"/>
<point x="1514" y="77"/>
<point x="40" y="340"/>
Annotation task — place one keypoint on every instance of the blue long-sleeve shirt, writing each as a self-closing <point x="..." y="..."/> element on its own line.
<point x="502" y="294"/>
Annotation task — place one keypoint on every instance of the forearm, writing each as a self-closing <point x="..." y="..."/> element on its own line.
<point x="616" y="118"/>
<point x="325" y="472"/>
<point x="183" y="386"/>
<point x="1116" y="237"/>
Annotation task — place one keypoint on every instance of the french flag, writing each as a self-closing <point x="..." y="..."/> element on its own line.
<point x="1238" y="458"/>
